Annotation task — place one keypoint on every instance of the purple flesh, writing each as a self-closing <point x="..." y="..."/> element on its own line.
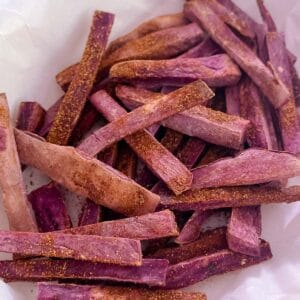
<point x="90" y="213"/>
<point x="109" y="155"/>
<point x="152" y="272"/>
<point x="251" y="166"/>
<point x="126" y="161"/>
<point x="266" y="16"/>
<point x="244" y="230"/>
<point x="198" y="269"/>
<point x="49" y="208"/>
<point x="232" y="100"/>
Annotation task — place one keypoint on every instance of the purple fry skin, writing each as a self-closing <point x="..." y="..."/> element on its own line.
<point x="49" y="208"/>
<point x="251" y="166"/>
<point x="152" y="272"/>
<point x="90" y="213"/>
<point x="192" y="228"/>
<point x="54" y="291"/>
<point x="209" y="125"/>
<point x="208" y="242"/>
<point x="232" y="100"/>
<point x="216" y="71"/>
<point x="244" y="230"/>
<point x="113" y="250"/>
<point x="150" y="226"/>
<point x="31" y="116"/>
<point x="266" y="16"/>
<point x="287" y="114"/>
<point x="236" y="196"/>
<point x="157" y="157"/>
<point x="273" y="88"/>
<point x="200" y="268"/>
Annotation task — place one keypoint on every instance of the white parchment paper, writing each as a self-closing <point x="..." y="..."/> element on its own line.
<point x="38" y="38"/>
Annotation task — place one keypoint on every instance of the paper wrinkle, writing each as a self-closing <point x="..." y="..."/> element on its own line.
<point x="38" y="38"/>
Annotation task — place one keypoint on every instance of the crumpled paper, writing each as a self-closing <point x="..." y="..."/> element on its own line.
<point x="38" y="38"/>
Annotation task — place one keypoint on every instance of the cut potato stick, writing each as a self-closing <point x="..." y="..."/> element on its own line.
<point x="14" y="199"/>
<point x="152" y="272"/>
<point x="160" y="161"/>
<point x="49" y="208"/>
<point x="90" y="213"/>
<point x="61" y="245"/>
<point x="30" y="117"/>
<point x="109" y="155"/>
<point x="73" y="102"/>
<point x="200" y="268"/>
<point x="216" y="71"/>
<point x="150" y="226"/>
<point x="232" y="96"/>
<point x="150" y="113"/>
<point x="126" y="161"/>
<point x="261" y="166"/>
<point x="214" y="153"/>
<point x="212" y="198"/>
<point x="51" y="291"/>
<point x="202" y="122"/>
<point x="85" y="176"/>
<point x="271" y="86"/>
<point x="266" y="16"/>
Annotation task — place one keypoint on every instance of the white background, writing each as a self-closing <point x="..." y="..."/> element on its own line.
<point x="38" y="38"/>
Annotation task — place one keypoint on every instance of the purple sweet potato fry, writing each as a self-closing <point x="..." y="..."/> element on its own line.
<point x="206" y="48"/>
<point x="232" y="97"/>
<point x="76" y="96"/>
<point x="208" y="242"/>
<point x="90" y="213"/>
<point x="31" y="116"/>
<point x="296" y="86"/>
<point x="287" y="114"/>
<point x="109" y="155"/>
<point x="200" y="268"/>
<point x="251" y="166"/>
<point x="113" y="250"/>
<point x="53" y="291"/>
<point x="273" y="88"/>
<point x="266" y="16"/>
<point x="152" y="272"/>
<point x="13" y="194"/>
<point x="85" y="176"/>
<point x="209" y="125"/>
<point x="49" y="208"/>
<point x="150" y="226"/>
<point x="214" y="153"/>
<point x="159" y="109"/>
<point x="192" y="228"/>
<point x="126" y="161"/>
<point x="244" y="230"/>
<point x="159" y="160"/>
<point x="216" y="71"/>
<point x="237" y="196"/>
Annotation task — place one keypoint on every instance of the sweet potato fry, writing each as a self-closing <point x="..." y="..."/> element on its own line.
<point x="90" y="213"/>
<point x="214" y="153"/>
<point x="31" y="116"/>
<point x="212" y="198"/>
<point x="215" y="71"/>
<point x="126" y="161"/>
<point x="150" y="226"/>
<point x="49" y="208"/>
<point x="266" y="16"/>
<point x="109" y="155"/>
<point x="169" y="169"/>
<point x="73" y="102"/>
<point x="14" y="199"/>
<point x="83" y="247"/>
<point x="85" y="176"/>
<point x="207" y="124"/>
<point x="150" y="113"/>
<point x="51" y="291"/>
<point x="271" y="86"/>
<point x="200" y="268"/>
<point x="152" y="272"/>
<point x="232" y="96"/>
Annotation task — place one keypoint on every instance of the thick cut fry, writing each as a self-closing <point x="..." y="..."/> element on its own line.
<point x="83" y="247"/>
<point x="200" y="268"/>
<point x="251" y="166"/>
<point x="31" y="116"/>
<point x="14" y="199"/>
<point x="150" y="226"/>
<point x="152" y="272"/>
<point x="52" y="291"/>
<point x="73" y="102"/>
<point x="213" y="198"/>
<point x="150" y="113"/>
<point x="160" y="161"/>
<point x="215" y="71"/>
<point x="49" y="208"/>
<point x="212" y="126"/>
<point x="90" y="213"/>
<point x="85" y="176"/>
<point x="271" y="86"/>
